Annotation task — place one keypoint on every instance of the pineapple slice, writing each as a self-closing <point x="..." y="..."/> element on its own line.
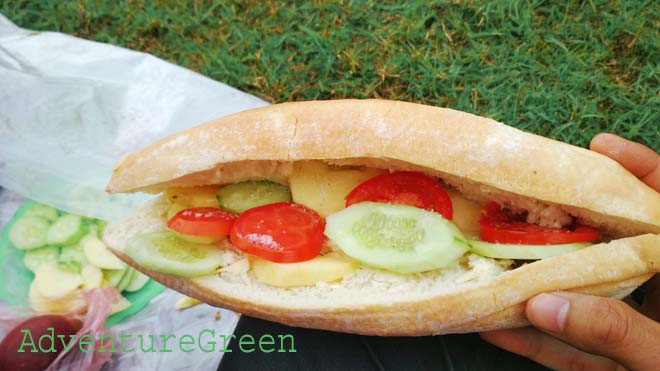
<point x="323" y="187"/>
<point x="194" y="196"/>
<point x="54" y="282"/>
<point x="466" y="214"/>
<point x="72" y="302"/>
<point x="175" y="208"/>
<point x="324" y="268"/>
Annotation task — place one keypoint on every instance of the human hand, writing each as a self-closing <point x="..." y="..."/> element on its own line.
<point x="582" y="332"/>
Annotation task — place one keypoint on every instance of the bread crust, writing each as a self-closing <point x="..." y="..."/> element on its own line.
<point x="455" y="145"/>
<point x="613" y="269"/>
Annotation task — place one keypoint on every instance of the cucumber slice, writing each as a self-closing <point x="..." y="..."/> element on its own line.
<point x="34" y="258"/>
<point x="66" y="230"/>
<point x="100" y="225"/>
<point x="241" y="196"/>
<point x="198" y="239"/>
<point x="99" y="255"/>
<point x="523" y="252"/>
<point x="126" y="279"/>
<point x="29" y="232"/>
<point x="43" y="211"/>
<point x="138" y="282"/>
<point x="398" y="238"/>
<point x="72" y="258"/>
<point x="93" y="229"/>
<point x="113" y="276"/>
<point x="165" y="252"/>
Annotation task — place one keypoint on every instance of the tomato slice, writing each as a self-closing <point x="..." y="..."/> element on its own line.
<point x="500" y="225"/>
<point x="404" y="187"/>
<point x="202" y="221"/>
<point x="282" y="232"/>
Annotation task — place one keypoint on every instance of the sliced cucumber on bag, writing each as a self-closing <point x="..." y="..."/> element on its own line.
<point x="29" y="232"/>
<point x="95" y="227"/>
<point x="34" y="258"/>
<point x="238" y="197"/>
<point x="43" y="211"/>
<point x="114" y="276"/>
<point x="100" y="227"/>
<point x="523" y="252"/>
<point x="399" y="238"/>
<point x="126" y="279"/>
<point x="66" y="230"/>
<point x="93" y="230"/>
<point x="164" y="252"/>
<point x="138" y="282"/>
<point x="72" y="258"/>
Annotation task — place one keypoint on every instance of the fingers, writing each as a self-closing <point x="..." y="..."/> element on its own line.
<point x="651" y="305"/>
<point x="546" y="350"/>
<point x="640" y="160"/>
<point x="603" y="326"/>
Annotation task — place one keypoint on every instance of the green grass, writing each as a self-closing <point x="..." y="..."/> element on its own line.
<point x="565" y="71"/>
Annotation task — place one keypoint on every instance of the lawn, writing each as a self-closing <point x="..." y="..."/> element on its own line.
<point x="566" y="71"/>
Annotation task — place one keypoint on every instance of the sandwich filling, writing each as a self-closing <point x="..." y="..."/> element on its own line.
<point x="327" y="221"/>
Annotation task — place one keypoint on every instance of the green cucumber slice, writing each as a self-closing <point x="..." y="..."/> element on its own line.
<point x="100" y="225"/>
<point x="93" y="229"/>
<point x="66" y="230"/>
<point x="126" y="279"/>
<point x="72" y="258"/>
<point x="238" y="197"/>
<point x="114" y="276"/>
<point x="34" y="258"/>
<point x="29" y="232"/>
<point x="523" y="252"/>
<point x="164" y="252"/>
<point x="43" y="211"/>
<point x="398" y="238"/>
<point x="137" y="282"/>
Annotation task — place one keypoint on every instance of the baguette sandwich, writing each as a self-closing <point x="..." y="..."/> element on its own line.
<point x="382" y="218"/>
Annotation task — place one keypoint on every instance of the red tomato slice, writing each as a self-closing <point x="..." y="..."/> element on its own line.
<point x="202" y="221"/>
<point x="404" y="187"/>
<point x="498" y="225"/>
<point x="282" y="232"/>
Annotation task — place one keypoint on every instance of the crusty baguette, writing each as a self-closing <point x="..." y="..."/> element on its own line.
<point x="477" y="155"/>
<point x="480" y="157"/>
<point x="410" y="305"/>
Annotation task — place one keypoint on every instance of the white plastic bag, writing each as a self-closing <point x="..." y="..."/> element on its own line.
<point x="70" y="108"/>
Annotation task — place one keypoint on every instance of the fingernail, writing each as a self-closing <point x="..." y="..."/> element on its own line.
<point x="548" y="312"/>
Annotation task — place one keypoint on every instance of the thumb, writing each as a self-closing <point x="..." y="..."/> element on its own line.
<point x="597" y="325"/>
